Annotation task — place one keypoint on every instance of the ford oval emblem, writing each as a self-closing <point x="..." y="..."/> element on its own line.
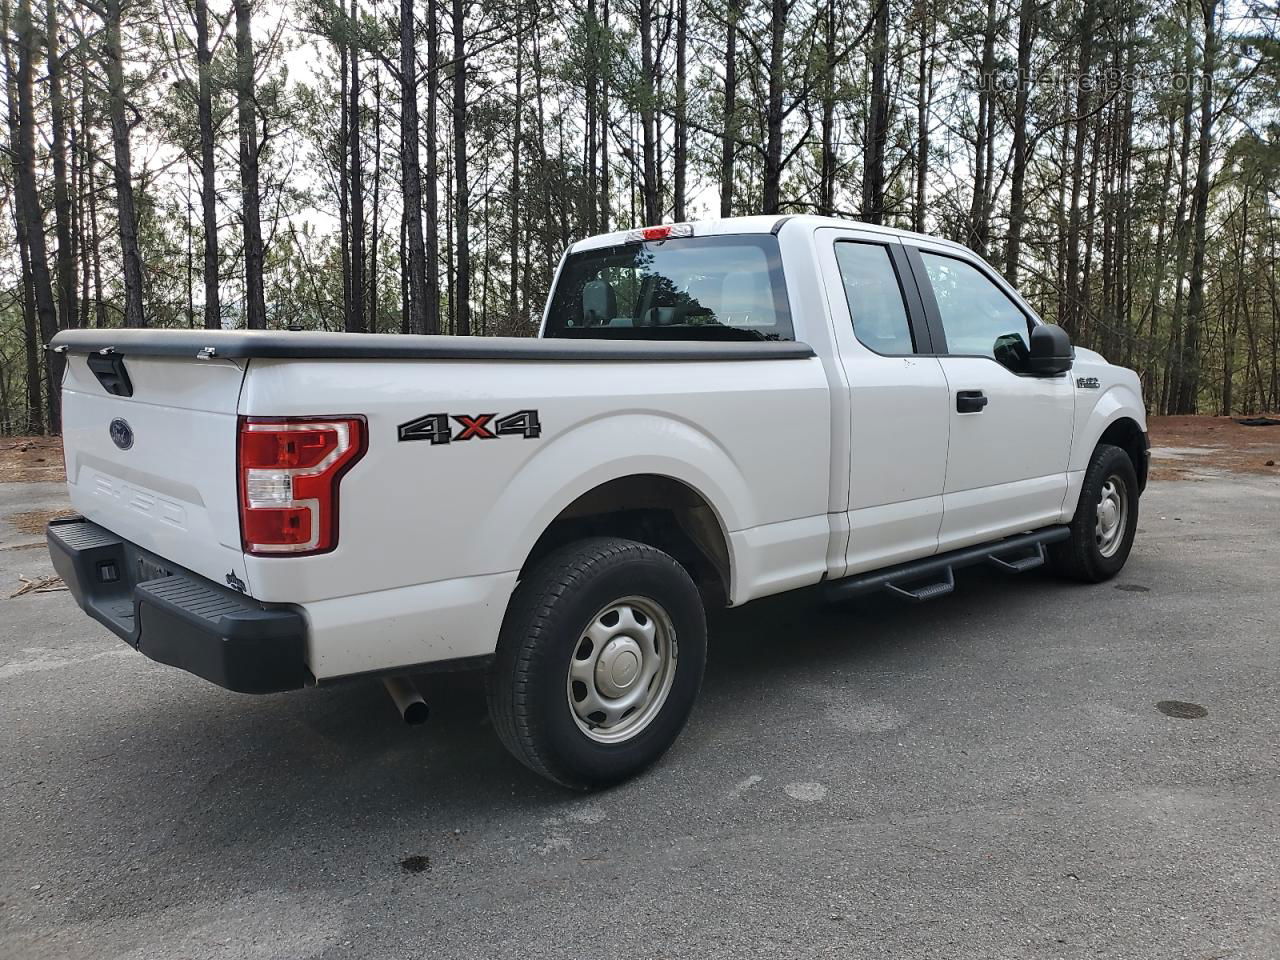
<point x="121" y="433"/>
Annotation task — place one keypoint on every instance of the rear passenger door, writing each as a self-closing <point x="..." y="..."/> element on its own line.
<point x="1010" y="431"/>
<point x="897" y="397"/>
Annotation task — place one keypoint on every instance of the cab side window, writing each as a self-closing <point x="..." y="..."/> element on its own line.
<point x="875" y="299"/>
<point x="977" y="317"/>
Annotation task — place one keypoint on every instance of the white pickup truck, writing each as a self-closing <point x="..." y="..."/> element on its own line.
<point x="714" y="412"/>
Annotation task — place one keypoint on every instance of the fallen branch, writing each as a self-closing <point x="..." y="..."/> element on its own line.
<point x="38" y="585"/>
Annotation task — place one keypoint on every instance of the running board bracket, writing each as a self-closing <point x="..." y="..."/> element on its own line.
<point x="936" y="575"/>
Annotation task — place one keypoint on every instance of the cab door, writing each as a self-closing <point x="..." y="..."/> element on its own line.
<point x="897" y="397"/>
<point x="1010" y="431"/>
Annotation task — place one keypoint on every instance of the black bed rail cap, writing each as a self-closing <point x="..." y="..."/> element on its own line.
<point x="315" y="345"/>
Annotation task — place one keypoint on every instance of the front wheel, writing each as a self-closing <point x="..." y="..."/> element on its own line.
<point x="1105" y="521"/>
<point x="599" y="661"/>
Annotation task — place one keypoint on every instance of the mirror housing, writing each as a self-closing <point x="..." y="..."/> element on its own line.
<point x="1051" y="351"/>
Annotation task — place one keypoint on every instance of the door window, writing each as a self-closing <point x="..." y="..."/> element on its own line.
<point x="978" y="319"/>
<point x="875" y="299"/>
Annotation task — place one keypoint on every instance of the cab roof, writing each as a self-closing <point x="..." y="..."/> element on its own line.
<point x="759" y="224"/>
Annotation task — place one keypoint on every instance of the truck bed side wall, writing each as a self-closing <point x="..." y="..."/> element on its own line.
<point x="432" y="535"/>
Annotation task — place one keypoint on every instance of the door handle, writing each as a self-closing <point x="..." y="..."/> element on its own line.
<point x="970" y="401"/>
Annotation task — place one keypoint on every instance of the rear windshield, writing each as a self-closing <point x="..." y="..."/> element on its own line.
<point x="686" y="288"/>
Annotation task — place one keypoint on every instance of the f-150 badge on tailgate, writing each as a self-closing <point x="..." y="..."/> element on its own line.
<point x="436" y="428"/>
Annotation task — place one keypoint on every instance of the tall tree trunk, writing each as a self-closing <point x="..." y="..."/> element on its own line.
<point x="1173" y="363"/>
<point x="1150" y="366"/>
<point x="406" y="299"/>
<point x="873" y="179"/>
<point x="1027" y="29"/>
<point x="924" y="93"/>
<point x="372" y="274"/>
<point x="544" y="168"/>
<point x="729" y="138"/>
<point x="652" y="205"/>
<point x="250" y="197"/>
<point x="606" y="71"/>
<point x="87" y="185"/>
<point x="1190" y="382"/>
<point x="31" y="333"/>
<point x="1231" y="330"/>
<point x="29" y="203"/>
<point x="411" y="173"/>
<point x="66" y="267"/>
<point x="827" y="171"/>
<point x="462" y="198"/>
<point x="513" y="296"/>
<point x="980" y="206"/>
<point x="126" y="208"/>
<point x="431" y="311"/>
<point x="344" y="180"/>
<point x="208" y="185"/>
<point x="1072" y="318"/>
<point x="355" y="316"/>
<point x="681" y="152"/>
<point x="1089" y="219"/>
<point x="591" y="70"/>
<point x="771" y="200"/>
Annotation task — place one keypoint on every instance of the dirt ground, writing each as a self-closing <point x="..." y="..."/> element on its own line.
<point x="31" y="460"/>
<point x="1183" y="445"/>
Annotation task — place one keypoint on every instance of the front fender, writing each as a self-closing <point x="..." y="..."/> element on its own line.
<point x="1117" y="402"/>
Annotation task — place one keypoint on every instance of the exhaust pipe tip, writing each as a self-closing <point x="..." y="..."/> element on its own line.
<point x="413" y="709"/>
<point x="416" y="713"/>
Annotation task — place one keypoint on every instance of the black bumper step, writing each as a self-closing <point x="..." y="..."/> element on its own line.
<point x="177" y="617"/>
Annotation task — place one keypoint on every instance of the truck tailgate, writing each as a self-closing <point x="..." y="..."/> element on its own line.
<point x="158" y="467"/>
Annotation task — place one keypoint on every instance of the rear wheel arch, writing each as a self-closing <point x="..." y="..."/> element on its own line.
<point x="654" y="509"/>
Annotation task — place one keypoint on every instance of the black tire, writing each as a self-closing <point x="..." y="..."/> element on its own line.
<point x="528" y="685"/>
<point x="1080" y="557"/>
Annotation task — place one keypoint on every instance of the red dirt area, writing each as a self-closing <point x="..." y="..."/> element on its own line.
<point x="1217" y="443"/>
<point x="31" y="460"/>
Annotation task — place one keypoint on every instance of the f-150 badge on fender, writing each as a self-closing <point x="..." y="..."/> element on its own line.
<point x="1088" y="383"/>
<point x="436" y="428"/>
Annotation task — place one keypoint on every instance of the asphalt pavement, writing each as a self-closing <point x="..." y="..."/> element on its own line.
<point x="987" y="775"/>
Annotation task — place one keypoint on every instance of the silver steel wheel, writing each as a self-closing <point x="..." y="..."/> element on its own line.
<point x="622" y="669"/>
<point x="1113" y="516"/>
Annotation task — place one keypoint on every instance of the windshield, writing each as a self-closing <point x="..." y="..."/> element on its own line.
<point x="688" y="288"/>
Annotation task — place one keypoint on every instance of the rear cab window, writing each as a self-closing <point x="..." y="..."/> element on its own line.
<point x="683" y="288"/>
<point x="874" y="294"/>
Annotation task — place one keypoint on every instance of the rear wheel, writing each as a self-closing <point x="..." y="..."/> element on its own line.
<point x="1105" y="521"/>
<point x="599" y="662"/>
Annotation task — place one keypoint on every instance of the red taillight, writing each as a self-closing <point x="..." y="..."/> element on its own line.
<point x="656" y="233"/>
<point x="289" y="475"/>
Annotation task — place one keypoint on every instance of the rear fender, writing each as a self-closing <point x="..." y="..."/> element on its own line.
<point x="550" y="480"/>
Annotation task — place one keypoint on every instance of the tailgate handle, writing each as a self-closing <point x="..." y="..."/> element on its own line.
<point x="110" y="371"/>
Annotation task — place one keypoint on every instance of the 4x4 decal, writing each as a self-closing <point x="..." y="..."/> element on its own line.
<point x="436" y="428"/>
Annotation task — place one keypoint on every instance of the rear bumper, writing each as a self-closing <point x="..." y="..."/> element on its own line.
<point x="178" y="618"/>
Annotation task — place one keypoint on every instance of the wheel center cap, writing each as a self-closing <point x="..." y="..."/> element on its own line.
<point x="1108" y="515"/>
<point x="625" y="668"/>
<point x="618" y="666"/>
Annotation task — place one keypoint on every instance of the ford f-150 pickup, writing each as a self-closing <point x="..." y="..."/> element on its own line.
<point x="714" y="412"/>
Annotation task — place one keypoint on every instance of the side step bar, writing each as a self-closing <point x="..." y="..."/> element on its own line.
<point x="935" y="576"/>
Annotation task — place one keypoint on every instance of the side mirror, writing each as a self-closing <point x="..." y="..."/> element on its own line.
<point x="1051" y="352"/>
